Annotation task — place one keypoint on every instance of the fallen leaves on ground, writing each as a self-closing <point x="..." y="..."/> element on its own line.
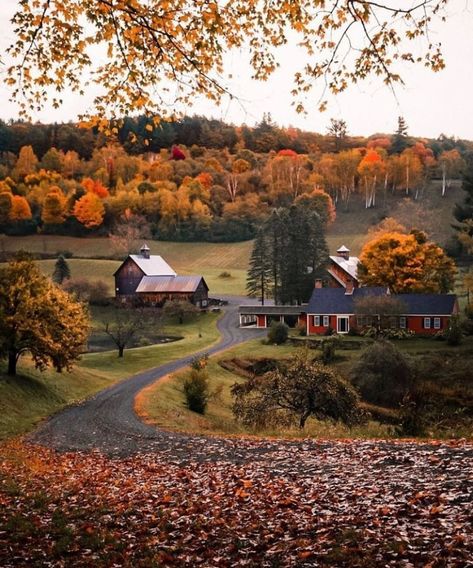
<point x="337" y="503"/>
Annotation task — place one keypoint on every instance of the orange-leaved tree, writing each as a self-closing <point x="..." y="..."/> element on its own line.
<point x="89" y="210"/>
<point x="20" y="209"/>
<point x="372" y="169"/>
<point x="95" y="186"/>
<point x="406" y="264"/>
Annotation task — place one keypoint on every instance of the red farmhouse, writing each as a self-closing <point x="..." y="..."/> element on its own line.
<point x="333" y="306"/>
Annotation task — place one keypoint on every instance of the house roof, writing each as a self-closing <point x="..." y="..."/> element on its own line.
<point x="350" y="266"/>
<point x="170" y="284"/>
<point x="428" y="304"/>
<point x="155" y="265"/>
<point x="335" y="301"/>
<point x="271" y="310"/>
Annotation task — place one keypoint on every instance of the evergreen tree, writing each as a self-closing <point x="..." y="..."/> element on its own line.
<point x="294" y="250"/>
<point x="463" y="212"/>
<point x="61" y="270"/>
<point x="400" y="140"/>
<point x="259" y="279"/>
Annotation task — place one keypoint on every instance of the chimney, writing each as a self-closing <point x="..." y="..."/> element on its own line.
<point x="349" y="287"/>
<point x="144" y="251"/>
<point x="318" y="283"/>
<point x="344" y="252"/>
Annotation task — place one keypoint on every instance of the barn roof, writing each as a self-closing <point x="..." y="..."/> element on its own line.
<point x="155" y="265"/>
<point x="170" y="284"/>
<point x="335" y="301"/>
<point x="350" y="266"/>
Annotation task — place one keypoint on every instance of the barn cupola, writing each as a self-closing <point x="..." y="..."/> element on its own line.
<point x="344" y="252"/>
<point x="144" y="251"/>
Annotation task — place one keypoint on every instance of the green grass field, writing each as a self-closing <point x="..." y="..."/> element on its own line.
<point x="27" y="399"/>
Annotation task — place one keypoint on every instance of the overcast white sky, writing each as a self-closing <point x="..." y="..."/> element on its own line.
<point x="431" y="103"/>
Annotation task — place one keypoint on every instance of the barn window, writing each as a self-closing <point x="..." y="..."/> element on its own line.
<point x="437" y="323"/>
<point x="326" y="321"/>
<point x="316" y="321"/>
<point x="403" y="322"/>
<point x="426" y="323"/>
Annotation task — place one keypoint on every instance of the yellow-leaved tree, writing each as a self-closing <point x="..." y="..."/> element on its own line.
<point x="39" y="318"/>
<point x="406" y="264"/>
<point x="162" y="55"/>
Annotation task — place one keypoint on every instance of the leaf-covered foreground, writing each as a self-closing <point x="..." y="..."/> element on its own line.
<point x="345" y="503"/>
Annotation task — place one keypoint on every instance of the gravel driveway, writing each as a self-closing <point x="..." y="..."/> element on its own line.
<point x="107" y="422"/>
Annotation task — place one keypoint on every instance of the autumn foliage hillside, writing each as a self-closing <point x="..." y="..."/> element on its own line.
<point x="202" y="180"/>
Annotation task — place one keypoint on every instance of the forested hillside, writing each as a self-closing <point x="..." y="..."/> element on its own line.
<point x="203" y="180"/>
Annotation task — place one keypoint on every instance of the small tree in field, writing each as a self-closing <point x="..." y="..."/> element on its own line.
<point x="302" y="389"/>
<point x="180" y="309"/>
<point x="61" y="270"/>
<point x="125" y="324"/>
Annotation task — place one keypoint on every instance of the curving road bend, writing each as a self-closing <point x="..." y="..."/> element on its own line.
<point x="107" y="422"/>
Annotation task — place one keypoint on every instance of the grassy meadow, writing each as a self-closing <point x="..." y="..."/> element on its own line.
<point x="164" y="403"/>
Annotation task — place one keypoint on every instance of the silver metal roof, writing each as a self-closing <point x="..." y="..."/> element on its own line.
<point x="169" y="284"/>
<point x="350" y="266"/>
<point x="155" y="265"/>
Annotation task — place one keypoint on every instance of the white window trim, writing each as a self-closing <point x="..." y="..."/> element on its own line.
<point x="326" y="321"/>
<point x="437" y="323"/>
<point x="427" y="323"/>
<point x="403" y="322"/>
<point x="347" y="318"/>
<point x="316" y="321"/>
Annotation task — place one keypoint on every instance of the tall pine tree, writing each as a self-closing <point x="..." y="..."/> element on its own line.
<point x="260" y="278"/>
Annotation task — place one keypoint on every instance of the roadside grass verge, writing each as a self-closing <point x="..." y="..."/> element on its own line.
<point x="32" y="396"/>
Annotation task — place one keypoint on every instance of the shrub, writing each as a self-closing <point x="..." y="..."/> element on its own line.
<point x="95" y="293"/>
<point x="278" y="333"/>
<point x="225" y="274"/>
<point x="454" y="333"/>
<point x="301" y="329"/>
<point x="328" y="351"/>
<point x="329" y="331"/>
<point x="196" y="390"/>
<point x="412" y="417"/>
<point x="383" y="374"/>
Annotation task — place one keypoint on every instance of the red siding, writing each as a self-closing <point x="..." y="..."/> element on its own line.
<point x="341" y="274"/>
<point x="416" y="324"/>
<point x="321" y="329"/>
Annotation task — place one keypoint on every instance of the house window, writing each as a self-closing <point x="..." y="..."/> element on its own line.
<point x="316" y="321"/>
<point x="426" y="323"/>
<point x="437" y="323"/>
<point x="403" y="322"/>
<point x="326" y="321"/>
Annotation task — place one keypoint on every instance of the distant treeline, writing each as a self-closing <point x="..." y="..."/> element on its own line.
<point x="136" y="137"/>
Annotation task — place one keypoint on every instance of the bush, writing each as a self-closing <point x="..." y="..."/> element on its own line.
<point x="278" y="333"/>
<point x="454" y="335"/>
<point x="383" y="374"/>
<point x="196" y="390"/>
<point x="225" y="274"/>
<point x="328" y="351"/>
<point x="301" y="329"/>
<point x="412" y="417"/>
<point x="95" y="293"/>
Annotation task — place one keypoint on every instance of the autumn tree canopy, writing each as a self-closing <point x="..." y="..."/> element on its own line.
<point x="167" y="52"/>
<point x="406" y="264"/>
<point x="40" y="318"/>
